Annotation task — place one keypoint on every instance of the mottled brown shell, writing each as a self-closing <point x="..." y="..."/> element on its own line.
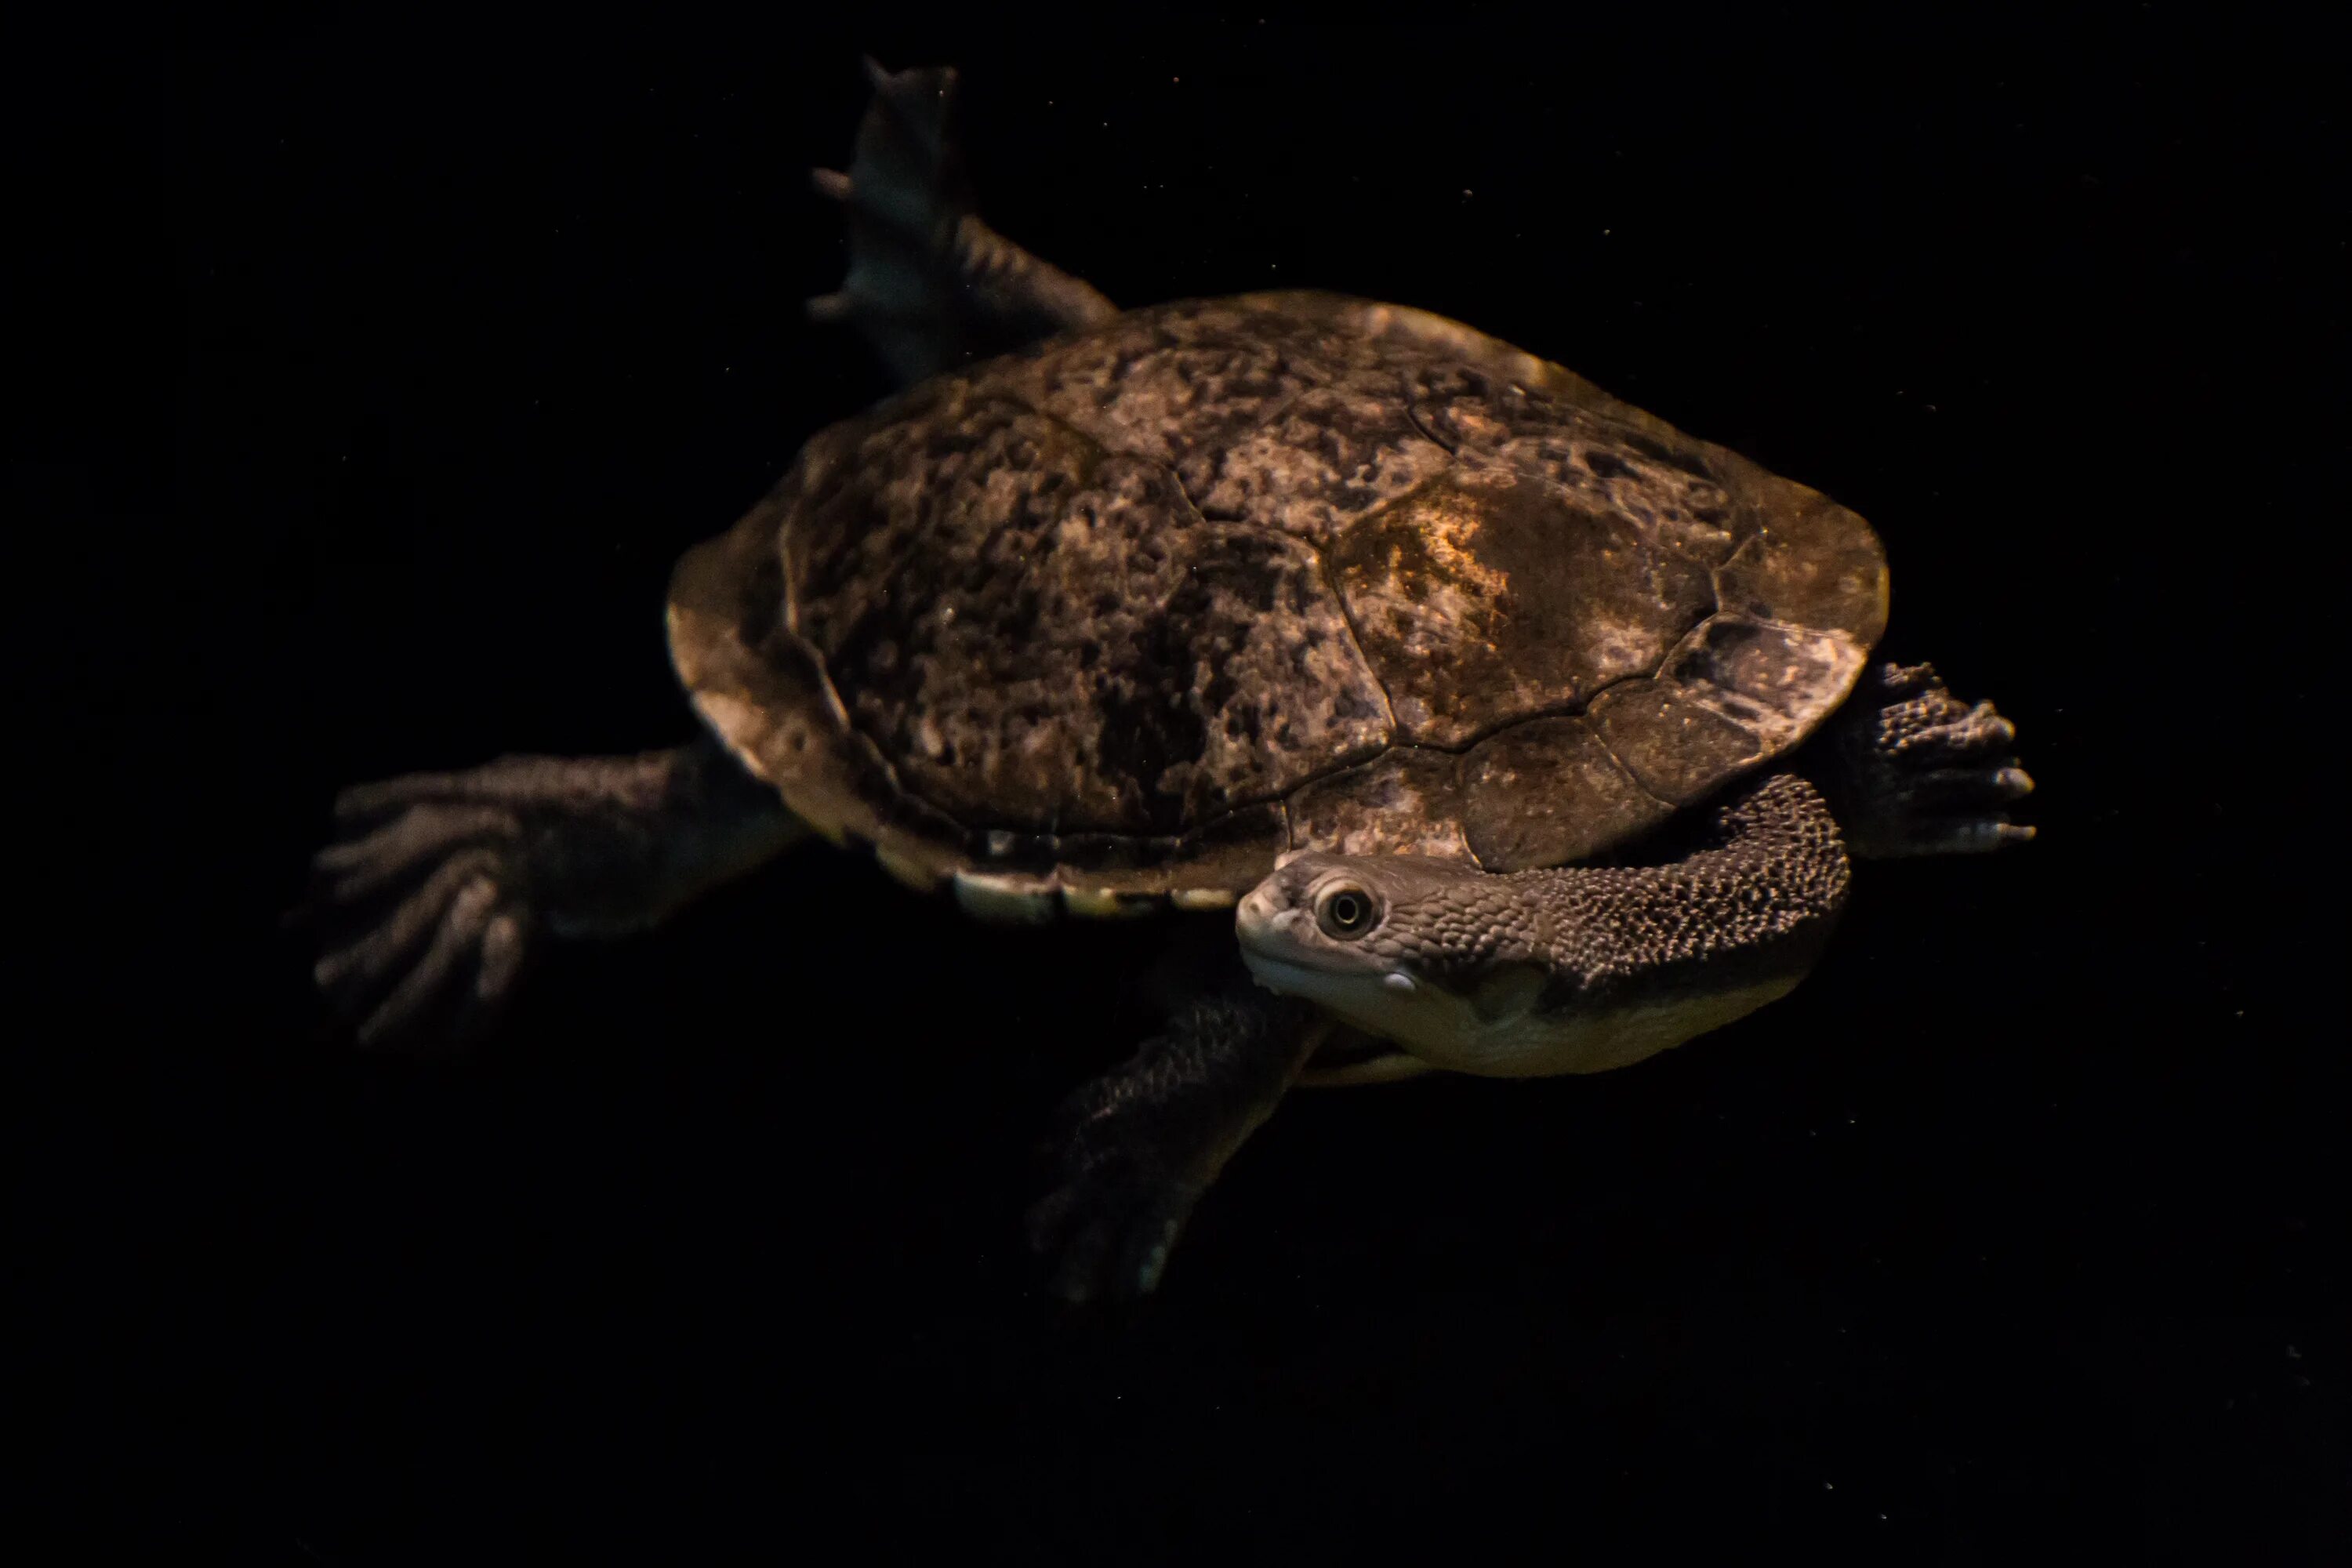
<point x="1128" y="612"/>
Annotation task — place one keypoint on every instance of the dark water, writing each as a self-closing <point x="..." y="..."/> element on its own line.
<point x="387" y="367"/>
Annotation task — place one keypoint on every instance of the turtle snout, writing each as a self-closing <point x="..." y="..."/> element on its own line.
<point x="1254" y="921"/>
<point x="1268" y="920"/>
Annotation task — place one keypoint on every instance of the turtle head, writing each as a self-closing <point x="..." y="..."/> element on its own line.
<point x="1398" y="945"/>
<point x="1571" y="969"/>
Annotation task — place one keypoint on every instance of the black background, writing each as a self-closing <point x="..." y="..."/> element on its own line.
<point x="384" y="366"/>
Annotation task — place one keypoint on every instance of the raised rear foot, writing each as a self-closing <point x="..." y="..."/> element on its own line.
<point x="1925" y="773"/>
<point x="930" y="285"/>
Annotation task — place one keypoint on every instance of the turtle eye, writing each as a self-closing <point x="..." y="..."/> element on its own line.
<point x="1346" y="911"/>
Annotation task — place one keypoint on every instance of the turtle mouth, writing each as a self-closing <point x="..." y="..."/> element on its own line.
<point x="1268" y="951"/>
<point x="1284" y="973"/>
<point x="1282" y="966"/>
<point x="1347" y="992"/>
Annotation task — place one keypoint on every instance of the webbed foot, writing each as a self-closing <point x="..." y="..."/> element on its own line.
<point x="1928" y="774"/>
<point x="1139" y="1147"/>
<point x="1116" y="1205"/>
<point x="930" y="285"/>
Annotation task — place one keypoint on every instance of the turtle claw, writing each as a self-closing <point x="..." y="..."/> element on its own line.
<point x="1930" y="775"/>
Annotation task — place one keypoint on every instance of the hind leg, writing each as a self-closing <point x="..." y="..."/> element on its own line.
<point x="1919" y="771"/>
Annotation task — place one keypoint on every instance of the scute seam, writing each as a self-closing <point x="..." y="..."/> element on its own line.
<point x="1356" y="643"/>
<point x="1347" y="621"/>
<point x="1282" y="797"/>
<point x="1630" y="775"/>
<point x="1715" y="574"/>
<point x="1105" y="451"/>
<point x="1412" y="414"/>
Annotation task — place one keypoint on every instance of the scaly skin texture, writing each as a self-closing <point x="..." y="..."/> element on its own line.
<point x="1919" y="771"/>
<point x="1754" y="900"/>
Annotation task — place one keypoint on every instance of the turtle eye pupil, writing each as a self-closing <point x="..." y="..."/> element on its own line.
<point x="1346" y="912"/>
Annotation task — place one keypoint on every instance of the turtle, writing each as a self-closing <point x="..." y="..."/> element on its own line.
<point x="1489" y="723"/>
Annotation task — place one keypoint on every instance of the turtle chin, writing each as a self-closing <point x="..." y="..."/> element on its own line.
<point x="1350" y="984"/>
<point x="1383" y="1003"/>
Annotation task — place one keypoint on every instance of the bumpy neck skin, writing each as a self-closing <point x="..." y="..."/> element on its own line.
<point x="1428" y="952"/>
<point x="1776" y="868"/>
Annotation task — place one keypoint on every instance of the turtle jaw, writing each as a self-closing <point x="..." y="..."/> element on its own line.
<point x="1353" y="996"/>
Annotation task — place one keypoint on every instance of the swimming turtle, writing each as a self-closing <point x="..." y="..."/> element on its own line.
<point x="1471" y="697"/>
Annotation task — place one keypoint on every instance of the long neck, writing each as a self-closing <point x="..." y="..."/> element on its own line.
<point x="1774" y="874"/>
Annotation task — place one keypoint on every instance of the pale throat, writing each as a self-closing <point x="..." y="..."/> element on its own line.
<point x="1491" y="1027"/>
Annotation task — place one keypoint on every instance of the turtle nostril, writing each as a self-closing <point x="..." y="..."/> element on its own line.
<point x="1255" y="917"/>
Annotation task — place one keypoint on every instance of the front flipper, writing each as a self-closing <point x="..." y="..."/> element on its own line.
<point x="929" y="285"/>
<point x="1922" y="773"/>
<point x="1141" y="1146"/>
<point x="442" y="882"/>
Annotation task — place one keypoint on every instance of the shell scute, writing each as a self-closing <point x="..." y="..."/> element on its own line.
<point x="1489" y="596"/>
<point x="1550" y="792"/>
<point x="1677" y="749"/>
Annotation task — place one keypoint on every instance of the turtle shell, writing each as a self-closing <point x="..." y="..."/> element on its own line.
<point x="1128" y="612"/>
